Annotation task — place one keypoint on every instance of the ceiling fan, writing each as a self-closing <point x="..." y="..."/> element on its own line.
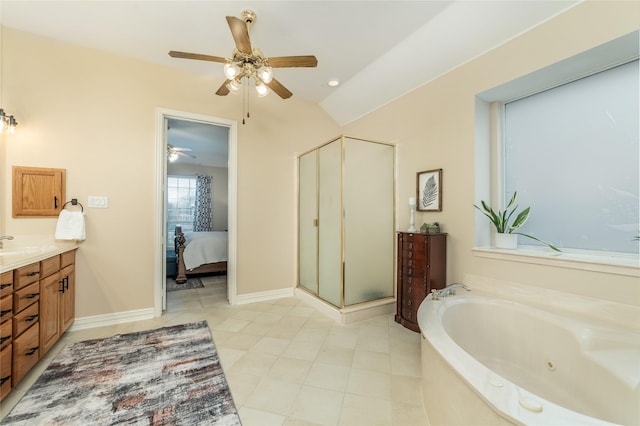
<point x="247" y="61"/>
<point x="174" y="152"/>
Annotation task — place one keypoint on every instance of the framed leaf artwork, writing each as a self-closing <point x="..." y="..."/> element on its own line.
<point x="429" y="190"/>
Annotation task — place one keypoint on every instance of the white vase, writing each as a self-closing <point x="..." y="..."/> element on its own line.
<point x="506" y="241"/>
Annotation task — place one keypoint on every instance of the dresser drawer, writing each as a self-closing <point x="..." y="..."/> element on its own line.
<point x="413" y="238"/>
<point x="26" y="318"/>
<point x="25" y="297"/>
<point x="6" y="307"/>
<point x="25" y="353"/>
<point x="6" y="283"/>
<point x="49" y="266"/>
<point x="414" y="292"/>
<point x="415" y="263"/>
<point x="6" y="355"/>
<point x="26" y="275"/>
<point x="416" y="269"/>
<point x="409" y="314"/>
<point x="6" y="333"/>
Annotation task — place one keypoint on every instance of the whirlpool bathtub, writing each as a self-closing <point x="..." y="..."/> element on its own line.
<point x="494" y="361"/>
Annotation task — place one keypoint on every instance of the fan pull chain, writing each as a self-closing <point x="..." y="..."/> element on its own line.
<point x="244" y="99"/>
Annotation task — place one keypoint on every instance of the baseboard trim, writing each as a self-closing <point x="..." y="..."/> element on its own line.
<point x="351" y="314"/>
<point x="262" y="296"/>
<point x="112" y="319"/>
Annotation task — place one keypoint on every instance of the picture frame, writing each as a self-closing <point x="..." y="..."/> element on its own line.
<point x="429" y="190"/>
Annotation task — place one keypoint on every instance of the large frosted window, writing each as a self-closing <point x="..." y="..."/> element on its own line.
<point x="572" y="153"/>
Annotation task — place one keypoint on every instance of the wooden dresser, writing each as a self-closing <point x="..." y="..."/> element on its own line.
<point x="422" y="266"/>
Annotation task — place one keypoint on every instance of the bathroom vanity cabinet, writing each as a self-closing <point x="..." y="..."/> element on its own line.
<point x="421" y="267"/>
<point x="38" y="305"/>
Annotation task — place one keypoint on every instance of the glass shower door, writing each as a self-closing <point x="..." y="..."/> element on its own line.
<point x="369" y="221"/>
<point x="307" y="222"/>
<point x="330" y="222"/>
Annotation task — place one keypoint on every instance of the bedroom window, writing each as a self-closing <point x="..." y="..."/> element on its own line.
<point x="181" y="204"/>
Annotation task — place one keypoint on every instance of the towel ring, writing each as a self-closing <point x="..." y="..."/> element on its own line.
<point x="74" y="202"/>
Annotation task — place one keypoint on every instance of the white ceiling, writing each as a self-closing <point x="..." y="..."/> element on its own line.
<point x="379" y="50"/>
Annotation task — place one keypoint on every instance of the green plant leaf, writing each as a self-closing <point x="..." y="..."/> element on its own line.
<point x="551" y="246"/>
<point x="521" y="218"/>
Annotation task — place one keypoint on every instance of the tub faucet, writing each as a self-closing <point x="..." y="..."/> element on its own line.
<point x="5" y="237"/>
<point x="448" y="291"/>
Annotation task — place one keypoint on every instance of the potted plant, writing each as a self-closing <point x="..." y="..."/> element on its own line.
<point x="505" y="236"/>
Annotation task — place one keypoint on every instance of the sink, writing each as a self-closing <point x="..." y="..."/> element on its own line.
<point x="13" y="251"/>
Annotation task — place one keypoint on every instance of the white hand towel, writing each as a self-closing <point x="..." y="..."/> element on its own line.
<point x="70" y="226"/>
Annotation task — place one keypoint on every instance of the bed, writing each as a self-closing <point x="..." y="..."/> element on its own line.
<point x="200" y="253"/>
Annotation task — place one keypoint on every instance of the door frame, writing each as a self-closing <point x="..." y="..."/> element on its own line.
<point x="160" y="267"/>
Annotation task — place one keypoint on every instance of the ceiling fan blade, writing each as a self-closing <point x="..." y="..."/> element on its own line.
<point x="198" y="56"/>
<point x="240" y="34"/>
<point x="292" y="61"/>
<point x="277" y="87"/>
<point x="186" y="154"/>
<point x="223" y="90"/>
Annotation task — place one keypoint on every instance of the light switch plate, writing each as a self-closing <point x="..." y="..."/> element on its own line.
<point x="99" y="202"/>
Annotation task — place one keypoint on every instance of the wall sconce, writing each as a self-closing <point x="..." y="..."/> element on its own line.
<point x="8" y="123"/>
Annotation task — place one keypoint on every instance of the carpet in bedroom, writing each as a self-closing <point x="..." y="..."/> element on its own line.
<point x="167" y="376"/>
<point x="172" y="285"/>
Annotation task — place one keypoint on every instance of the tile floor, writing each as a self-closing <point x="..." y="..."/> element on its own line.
<point x="288" y="364"/>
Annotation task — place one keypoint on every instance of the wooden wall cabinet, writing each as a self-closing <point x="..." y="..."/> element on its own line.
<point x="38" y="192"/>
<point x="422" y="266"/>
<point x="37" y="305"/>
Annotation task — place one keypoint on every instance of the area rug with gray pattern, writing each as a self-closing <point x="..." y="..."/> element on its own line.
<point x="167" y="376"/>
<point x="172" y="285"/>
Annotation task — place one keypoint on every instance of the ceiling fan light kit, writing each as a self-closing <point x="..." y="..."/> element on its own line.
<point x="247" y="62"/>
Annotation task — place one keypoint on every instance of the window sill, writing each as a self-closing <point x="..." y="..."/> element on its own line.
<point x="608" y="262"/>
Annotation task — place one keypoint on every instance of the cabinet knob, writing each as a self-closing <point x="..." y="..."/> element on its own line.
<point x="5" y="379"/>
<point x="4" y="339"/>
<point x="410" y="279"/>
<point x="32" y="351"/>
<point x="409" y="302"/>
<point x="5" y="312"/>
<point x="31" y="318"/>
<point x="2" y="286"/>
<point x="32" y="295"/>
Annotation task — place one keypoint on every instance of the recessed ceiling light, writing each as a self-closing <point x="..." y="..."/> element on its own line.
<point x="333" y="83"/>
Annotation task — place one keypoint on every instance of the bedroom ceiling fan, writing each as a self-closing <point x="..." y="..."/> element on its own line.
<point x="174" y="152"/>
<point x="249" y="62"/>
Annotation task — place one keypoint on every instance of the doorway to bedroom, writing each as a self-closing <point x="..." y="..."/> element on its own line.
<point x="197" y="194"/>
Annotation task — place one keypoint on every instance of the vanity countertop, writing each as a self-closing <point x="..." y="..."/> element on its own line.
<point x="15" y="256"/>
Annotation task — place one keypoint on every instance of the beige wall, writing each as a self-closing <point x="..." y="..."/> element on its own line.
<point x="219" y="189"/>
<point x="94" y="114"/>
<point x="434" y="128"/>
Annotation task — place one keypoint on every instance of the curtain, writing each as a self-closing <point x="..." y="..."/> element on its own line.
<point x="203" y="218"/>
